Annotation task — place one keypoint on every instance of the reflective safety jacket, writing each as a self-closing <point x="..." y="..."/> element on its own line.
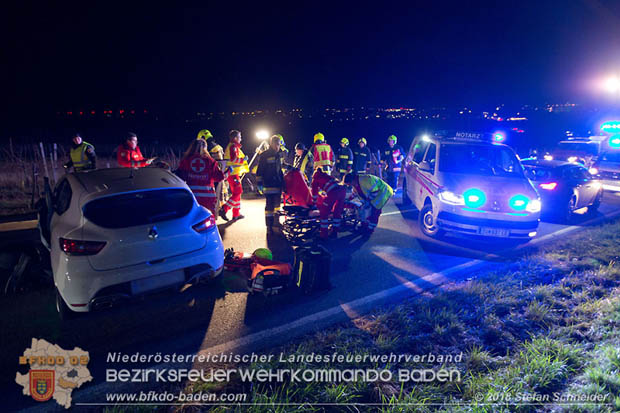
<point x="323" y="155"/>
<point x="130" y="158"/>
<point x="269" y="172"/>
<point x="201" y="173"/>
<point x="82" y="157"/>
<point x="234" y="156"/>
<point x="323" y="183"/>
<point x="344" y="161"/>
<point x="361" y="159"/>
<point x="305" y="164"/>
<point x="393" y="157"/>
<point x="373" y="190"/>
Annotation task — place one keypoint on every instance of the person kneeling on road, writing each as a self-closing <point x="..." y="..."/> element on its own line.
<point x="374" y="192"/>
<point x="271" y="180"/>
<point x="329" y="196"/>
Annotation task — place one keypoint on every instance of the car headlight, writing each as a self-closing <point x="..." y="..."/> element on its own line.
<point x="548" y="157"/>
<point x="533" y="206"/>
<point x="451" y="198"/>
<point x="572" y="159"/>
<point x="474" y="198"/>
<point x="593" y="170"/>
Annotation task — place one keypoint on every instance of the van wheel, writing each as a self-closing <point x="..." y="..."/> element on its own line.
<point x="64" y="311"/>
<point x="428" y="224"/>
<point x="406" y="199"/>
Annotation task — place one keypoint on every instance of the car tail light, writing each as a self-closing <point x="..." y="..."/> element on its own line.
<point x="205" y="225"/>
<point x="549" y="186"/>
<point x="77" y="247"/>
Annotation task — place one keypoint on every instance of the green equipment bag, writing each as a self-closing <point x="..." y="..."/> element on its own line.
<point x="312" y="268"/>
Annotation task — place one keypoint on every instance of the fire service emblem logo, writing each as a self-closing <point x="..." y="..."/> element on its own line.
<point x="41" y="384"/>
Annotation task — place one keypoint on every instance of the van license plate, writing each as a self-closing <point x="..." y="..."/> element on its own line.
<point x="157" y="281"/>
<point x="494" y="232"/>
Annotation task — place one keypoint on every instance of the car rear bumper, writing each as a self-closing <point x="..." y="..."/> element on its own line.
<point x="85" y="289"/>
<point x="492" y="228"/>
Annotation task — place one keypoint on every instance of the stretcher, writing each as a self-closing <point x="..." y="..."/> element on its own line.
<point x="301" y="222"/>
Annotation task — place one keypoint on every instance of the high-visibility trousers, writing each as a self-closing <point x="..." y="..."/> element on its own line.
<point x="333" y="204"/>
<point x="236" y="189"/>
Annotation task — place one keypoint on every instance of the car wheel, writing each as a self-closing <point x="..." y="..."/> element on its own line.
<point x="569" y="215"/>
<point x="597" y="203"/>
<point x="406" y="199"/>
<point x="64" y="311"/>
<point x="428" y="223"/>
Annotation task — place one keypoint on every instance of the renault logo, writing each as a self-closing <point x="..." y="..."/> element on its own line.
<point x="153" y="234"/>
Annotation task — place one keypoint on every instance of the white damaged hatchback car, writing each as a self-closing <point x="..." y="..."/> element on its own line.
<point x="118" y="233"/>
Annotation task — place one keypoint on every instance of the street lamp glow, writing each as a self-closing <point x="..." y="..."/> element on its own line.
<point x="612" y="84"/>
<point x="262" y="134"/>
<point x="426" y="138"/>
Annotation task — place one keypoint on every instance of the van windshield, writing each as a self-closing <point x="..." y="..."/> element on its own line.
<point x="139" y="208"/>
<point x="486" y="160"/>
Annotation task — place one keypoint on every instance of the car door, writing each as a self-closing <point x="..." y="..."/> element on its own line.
<point x="425" y="178"/>
<point x="589" y="188"/>
<point x="415" y="157"/>
<point x="581" y="185"/>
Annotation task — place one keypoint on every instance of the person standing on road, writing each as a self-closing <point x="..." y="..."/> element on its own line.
<point x="202" y="173"/>
<point x="323" y="154"/>
<point x="344" y="159"/>
<point x="329" y="196"/>
<point x="270" y="177"/>
<point x="361" y="157"/>
<point x="303" y="161"/>
<point x="234" y="157"/>
<point x="128" y="154"/>
<point x="375" y="192"/>
<point x="392" y="161"/>
<point x="82" y="155"/>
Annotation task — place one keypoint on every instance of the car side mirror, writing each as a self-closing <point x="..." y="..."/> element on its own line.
<point x="425" y="167"/>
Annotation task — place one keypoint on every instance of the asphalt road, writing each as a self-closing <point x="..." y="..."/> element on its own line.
<point x="395" y="262"/>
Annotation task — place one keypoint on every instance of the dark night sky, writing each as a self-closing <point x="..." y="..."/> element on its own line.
<point x="317" y="54"/>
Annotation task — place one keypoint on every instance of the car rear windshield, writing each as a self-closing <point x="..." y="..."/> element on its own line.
<point x="486" y="160"/>
<point x="590" y="148"/>
<point x="139" y="208"/>
<point x="539" y="173"/>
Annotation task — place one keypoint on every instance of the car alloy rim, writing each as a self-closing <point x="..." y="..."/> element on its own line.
<point x="429" y="223"/>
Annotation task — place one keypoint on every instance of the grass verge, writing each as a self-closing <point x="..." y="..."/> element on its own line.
<point x="540" y="334"/>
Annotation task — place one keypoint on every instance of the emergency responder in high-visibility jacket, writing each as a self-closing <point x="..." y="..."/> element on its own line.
<point x="323" y="154"/>
<point x="235" y="158"/>
<point x="329" y="196"/>
<point x="270" y="177"/>
<point x="286" y="157"/>
<point x="392" y="161"/>
<point x="303" y="161"/>
<point x="128" y="154"/>
<point x="362" y="158"/>
<point x="82" y="155"/>
<point x="375" y="192"/>
<point x="344" y="159"/>
<point x="201" y="173"/>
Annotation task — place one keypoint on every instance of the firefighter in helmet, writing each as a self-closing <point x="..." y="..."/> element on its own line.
<point x="323" y="154"/>
<point x="303" y="161"/>
<point x="344" y="159"/>
<point x="362" y="158"/>
<point x="234" y="157"/>
<point x="392" y="161"/>
<point x="82" y="155"/>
